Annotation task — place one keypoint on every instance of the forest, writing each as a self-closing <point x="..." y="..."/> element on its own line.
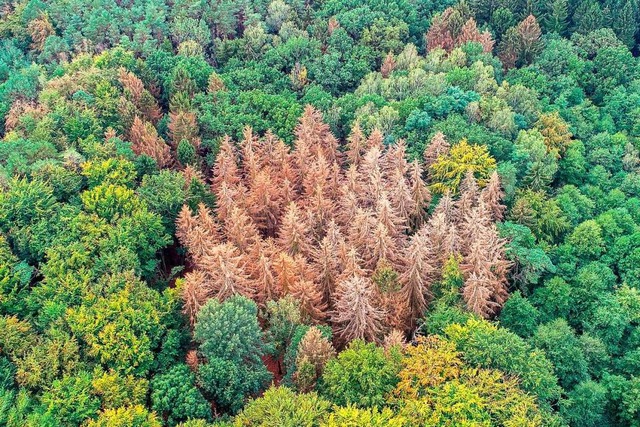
<point x="319" y="213"/>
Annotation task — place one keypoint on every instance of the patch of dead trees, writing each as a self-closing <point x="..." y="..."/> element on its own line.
<point x="344" y="231"/>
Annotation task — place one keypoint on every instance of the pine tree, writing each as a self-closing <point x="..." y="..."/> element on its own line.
<point x="314" y="350"/>
<point x="293" y="236"/>
<point x="312" y="132"/>
<point x="439" y="35"/>
<point x="226" y="166"/>
<point x="263" y="274"/>
<point x="485" y="268"/>
<point x="469" y="194"/>
<point x="264" y="202"/>
<point x="556" y="17"/>
<point x="492" y="196"/>
<point x="356" y="145"/>
<point x="419" y="194"/>
<point x="194" y="294"/>
<point x="240" y="230"/>
<point x="470" y="33"/>
<point x="436" y="148"/>
<point x="286" y="271"/>
<point x="375" y="140"/>
<point x="308" y="292"/>
<point x="327" y="260"/>
<point x="443" y="237"/>
<point x="145" y="140"/>
<point x="184" y="127"/>
<point x="394" y="339"/>
<point x="418" y="274"/>
<point x="388" y="65"/>
<point x="225" y="273"/>
<point x="355" y="312"/>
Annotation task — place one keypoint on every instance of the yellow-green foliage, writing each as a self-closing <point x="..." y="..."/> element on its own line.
<point x="437" y="388"/>
<point x="132" y="416"/>
<point x="116" y="390"/>
<point x="351" y="416"/>
<point x="449" y="169"/>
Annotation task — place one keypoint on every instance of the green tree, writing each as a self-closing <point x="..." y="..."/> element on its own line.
<point x="362" y="375"/>
<point x="175" y="395"/>
<point x="232" y="344"/>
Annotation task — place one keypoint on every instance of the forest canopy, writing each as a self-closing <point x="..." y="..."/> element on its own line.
<point x="319" y="213"/>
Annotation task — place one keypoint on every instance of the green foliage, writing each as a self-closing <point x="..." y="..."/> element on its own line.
<point x="175" y="393"/>
<point x="88" y="206"/>
<point x="231" y="341"/>
<point x="281" y="407"/>
<point x="362" y="375"/>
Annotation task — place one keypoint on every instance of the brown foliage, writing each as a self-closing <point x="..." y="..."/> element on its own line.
<point x="348" y="236"/>
<point x="388" y="65"/>
<point x="183" y="127"/>
<point x="145" y="140"/>
<point x="39" y="29"/>
<point x="436" y="148"/>
<point x="470" y="33"/>
<point x="314" y="350"/>
<point x="355" y="313"/>
<point x="135" y="92"/>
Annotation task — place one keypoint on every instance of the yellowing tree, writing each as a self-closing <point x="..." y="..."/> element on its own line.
<point x="450" y="168"/>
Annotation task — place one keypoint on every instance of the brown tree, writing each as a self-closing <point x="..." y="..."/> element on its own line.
<point x="293" y="237"/>
<point x="226" y="167"/>
<point x="492" y="196"/>
<point x="355" y="313"/>
<point x="145" y="140"/>
<point x="314" y="351"/>
<point x="388" y="65"/>
<point x="225" y="272"/>
<point x="470" y="33"/>
<point x="184" y="127"/>
<point x="436" y="148"/>
<point x="418" y="274"/>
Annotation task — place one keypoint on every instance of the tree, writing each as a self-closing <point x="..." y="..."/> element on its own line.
<point x="482" y="344"/>
<point x="352" y="415"/>
<point x="175" y="395"/>
<point x="416" y="278"/>
<point x="69" y="399"/>
<point x="134" y="416"/>
<point x="231" y="342"/>
<point x="362" y="375"/>
<point x="280" y="406"/>
<point x="145" y="140"/>
<point x="450" y="168"/>
<point x="314" y="351"/>
<point x="355" y="314"/>
<point x="562" y="347"/>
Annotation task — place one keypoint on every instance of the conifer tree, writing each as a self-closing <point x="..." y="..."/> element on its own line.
<point x="314" y="351"/>
<point x="293" y="236"/>
<point x="226" y="167"/>
<point x="492" y="196"/>
<point x="419" y="194"/>
<point x="355" y="312"/>
<point x="388" y="65"/>
<point x="225" y="273"/>
<point x="356" y="145"/>
<point x="184" y="127"/>
<point x="145" y="140"/>
<point x="470" y="33"/>
<point x="240" y="230"/>
<point x="436" y="148"/>
<point x="418" y="273"/>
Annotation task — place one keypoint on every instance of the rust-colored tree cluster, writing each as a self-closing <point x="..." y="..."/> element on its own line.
<point x="451" y="29"/>
<point x="345" y="232"/>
